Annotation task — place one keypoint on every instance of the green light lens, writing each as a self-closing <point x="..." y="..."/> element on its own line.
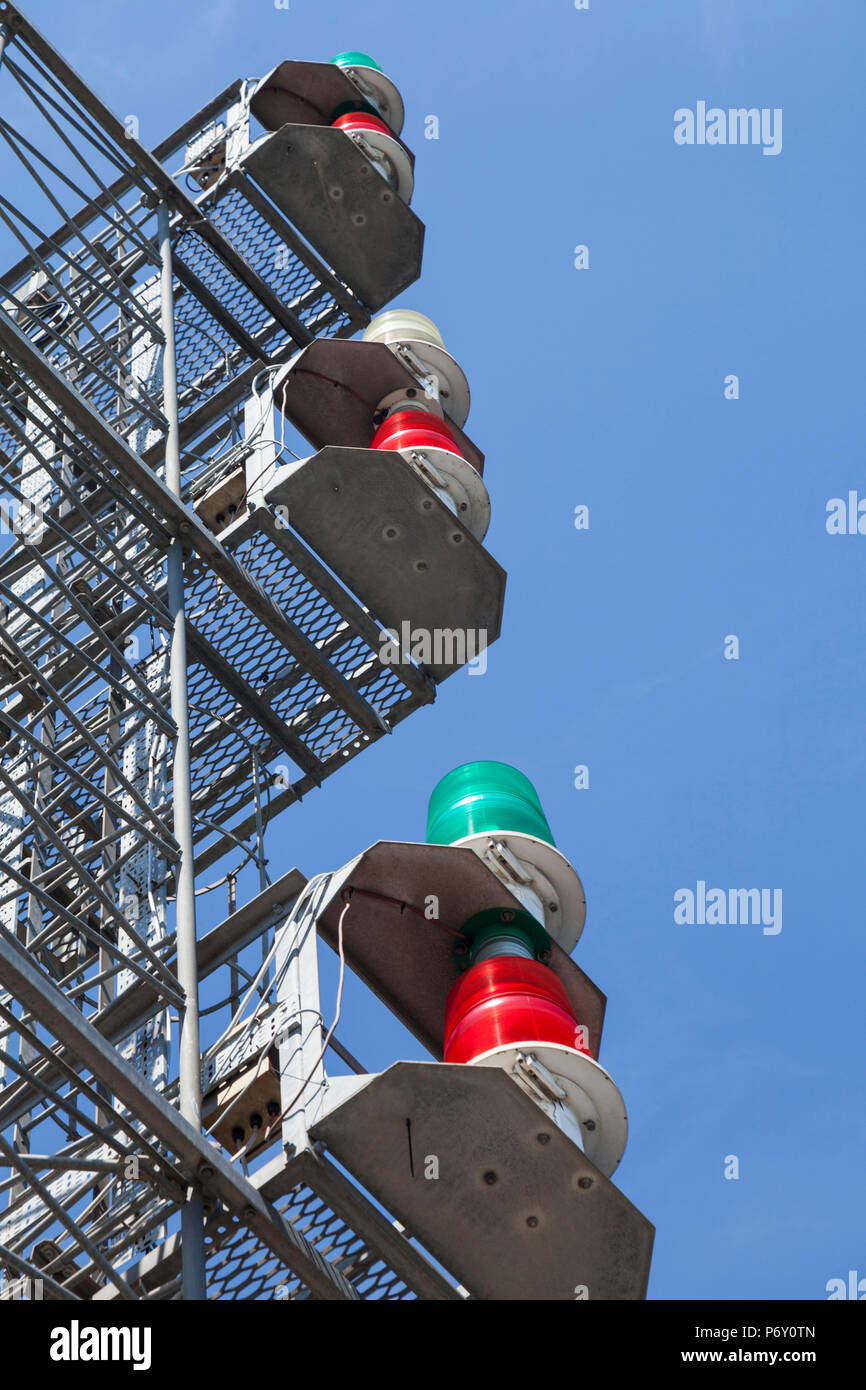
<point x="483" y="797"/>
<point x="351" y="59"/>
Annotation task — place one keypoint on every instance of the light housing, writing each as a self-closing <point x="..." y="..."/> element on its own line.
<point x="338" y="392"/>
<point x="412" y="335"/>
<point x="482" y="797"/>
<point x="371" y="81"/>
<point x="493" y="809"/>
<point x="501" y="931"/>
<point x="403" y="325"/>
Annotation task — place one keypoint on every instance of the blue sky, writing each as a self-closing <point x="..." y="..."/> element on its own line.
<point x="605" y="387"/>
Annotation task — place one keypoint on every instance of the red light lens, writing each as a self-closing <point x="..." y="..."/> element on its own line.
<point x="506" y="1001"/>
<point x="360" y="120"/>
<point x="414" y="429"/>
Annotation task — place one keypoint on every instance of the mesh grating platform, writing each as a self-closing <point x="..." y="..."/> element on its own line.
<point x="244" y="1269"/>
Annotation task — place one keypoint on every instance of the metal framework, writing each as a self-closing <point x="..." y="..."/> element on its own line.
<point x="168" y="688"/>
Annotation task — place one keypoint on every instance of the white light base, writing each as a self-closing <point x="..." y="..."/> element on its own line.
<point x="378" y="89"/>
<point x="590" y="1094"/>
<point x="453" y="386"/>
<point x="553" y="880"/>
<point x="459" y="479"/>
<point x="389" y="157"/>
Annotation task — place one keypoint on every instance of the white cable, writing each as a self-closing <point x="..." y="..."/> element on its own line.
<point x="297" y="918"/>
<point x="330" y="1031"/>
<point x="305" y="910"/>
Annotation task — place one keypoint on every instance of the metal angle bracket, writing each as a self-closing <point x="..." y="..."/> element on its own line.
<point x="496" y="1192"/>
<point x="387" y="536"/>
<point x="363" y="375"/>
<point x="310" y="93"/>
<point x="403" y="955"/>
<point x="320" y="180"/>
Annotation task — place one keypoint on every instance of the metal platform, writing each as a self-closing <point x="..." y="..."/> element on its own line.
<point x="501" y="1197"/>
<point x="319" y="178"/>
<point x="389" y="537"/>
<point x="370" y="1257"/>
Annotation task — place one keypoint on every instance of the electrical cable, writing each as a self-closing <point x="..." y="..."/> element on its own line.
<point x="299" y="913"/>
<point x="404" y="906"/>
<point x="304" y="911"/>
<point x="279" y="1118"/>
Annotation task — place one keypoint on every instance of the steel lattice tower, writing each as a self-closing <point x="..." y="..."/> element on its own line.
<point x="192" y="639"/>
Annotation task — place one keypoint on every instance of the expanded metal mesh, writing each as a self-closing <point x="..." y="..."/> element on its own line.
<point x="299" y="285"/>
<point x="243" y="1269"/>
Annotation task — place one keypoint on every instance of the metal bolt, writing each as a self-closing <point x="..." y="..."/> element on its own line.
<point x="532" y="1222"/>
<point x="545" y="957"/>
<point x="421" y="566"/>
<point x="553" y="907"/>
<point x="205" y="1170"/>
<point x="584" y="1183"/>
<point x="589" y="1124"/>
<point x="490" y="1177"/>
<point x="544" y="1138"/>
<point x="507" y="915"/>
